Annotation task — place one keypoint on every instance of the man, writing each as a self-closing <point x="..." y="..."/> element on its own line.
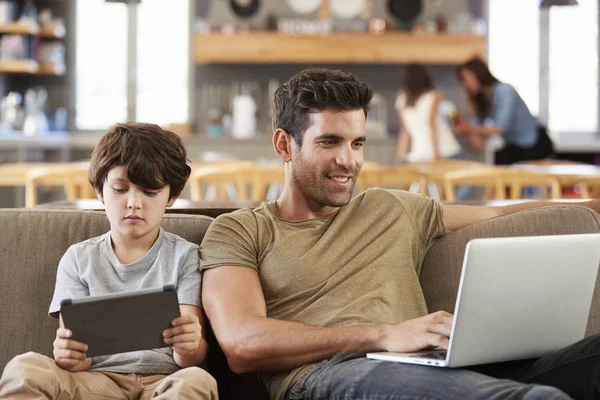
<point x="300" y="288"/>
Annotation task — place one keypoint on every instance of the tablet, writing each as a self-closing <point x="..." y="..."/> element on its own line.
<point x="121" y="322"/>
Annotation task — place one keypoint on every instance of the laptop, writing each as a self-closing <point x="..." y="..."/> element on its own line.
<point x="518" y="298"/>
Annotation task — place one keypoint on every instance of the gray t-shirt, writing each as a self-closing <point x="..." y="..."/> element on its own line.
<point x="90" y="268"/>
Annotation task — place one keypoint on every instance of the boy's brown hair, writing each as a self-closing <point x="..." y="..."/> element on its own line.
<point x="153" y="157"/>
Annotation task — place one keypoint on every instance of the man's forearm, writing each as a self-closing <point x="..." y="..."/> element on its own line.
<point x="526" y="205"/>
<point x="265" y="344"/>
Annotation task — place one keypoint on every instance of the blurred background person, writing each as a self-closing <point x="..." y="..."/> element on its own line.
<point x="425" y="133"/>
<point x="500" y="112"/>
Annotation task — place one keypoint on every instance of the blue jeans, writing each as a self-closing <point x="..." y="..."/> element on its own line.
<point x="572" y="372"/>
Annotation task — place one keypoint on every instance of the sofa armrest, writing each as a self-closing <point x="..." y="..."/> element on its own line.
<point x="440" y="272"/>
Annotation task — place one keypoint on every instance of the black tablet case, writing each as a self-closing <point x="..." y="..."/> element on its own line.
<point x="121" y="322"/>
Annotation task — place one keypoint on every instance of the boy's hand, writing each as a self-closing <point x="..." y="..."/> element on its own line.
<point x="70" y="354"/>
<point x="185" y="335"/>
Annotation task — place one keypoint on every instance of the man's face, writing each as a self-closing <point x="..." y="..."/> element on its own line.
<point x="326" y="168"/>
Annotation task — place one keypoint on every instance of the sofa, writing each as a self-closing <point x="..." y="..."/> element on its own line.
<point x="33" y="240"/>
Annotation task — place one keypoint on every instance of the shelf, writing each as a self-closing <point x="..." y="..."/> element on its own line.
<point x="19" y="66"/>
<point x="20" y="28"/>
<point x="30" y="67"/>
<point x="51" y="69"/>
<point x="52" y="32"/>
<point x="350" y="48"/>
<point x="30" y="28"/>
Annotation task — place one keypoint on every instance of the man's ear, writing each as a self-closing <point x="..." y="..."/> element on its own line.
<point x="282" y="143"/>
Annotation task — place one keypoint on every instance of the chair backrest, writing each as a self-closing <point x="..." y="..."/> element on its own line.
<point x="434" y="171"/>
<point x="401" y="177"/>
<point x="590" y="187"/>
<point x="73" y="177"/>
<point x="249" y="180"/>
<point x="499" y="179"/>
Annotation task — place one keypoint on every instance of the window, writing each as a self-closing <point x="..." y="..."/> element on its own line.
<point x="573" y="68"/>
<point x="101" y="64"/>
<point x="513" y="43"/>
<point x="163" y="47"/>
<point x="102" y="69"/>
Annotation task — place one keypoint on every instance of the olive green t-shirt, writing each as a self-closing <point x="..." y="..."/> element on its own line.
<point x="361" y="267"/>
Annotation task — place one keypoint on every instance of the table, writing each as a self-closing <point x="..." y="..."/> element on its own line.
<point x="568" y="174"/>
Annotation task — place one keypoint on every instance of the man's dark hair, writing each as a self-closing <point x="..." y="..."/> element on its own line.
<point x="153" y="157"/>
<point x="314" y="90"/>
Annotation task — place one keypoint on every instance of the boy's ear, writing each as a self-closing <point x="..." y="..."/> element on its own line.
<point x="99" y="196"/>
<point x="171" y="201"/>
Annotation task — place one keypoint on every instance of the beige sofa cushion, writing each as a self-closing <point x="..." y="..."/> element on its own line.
<point x="31" y="244"/>
<point x="440" y="274"/>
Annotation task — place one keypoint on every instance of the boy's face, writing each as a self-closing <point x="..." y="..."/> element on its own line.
<point x="133" y="212"/>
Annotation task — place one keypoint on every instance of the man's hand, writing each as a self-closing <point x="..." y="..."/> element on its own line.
<point x="70" y="354"/>
<point x="185" y="335"/>
<point x="430" y="331"/>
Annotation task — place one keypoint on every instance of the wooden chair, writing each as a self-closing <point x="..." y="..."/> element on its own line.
<point x="249" y="181"/>
<point x="401" y="177"/>
<point x="73" y="177"/>
<point x="434" y="173"/>
<point x="498" y="179"/>
<point x="590" y="187"/>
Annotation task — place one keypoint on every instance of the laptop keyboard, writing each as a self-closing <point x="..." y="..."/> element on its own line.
<point x="438" y="355"/>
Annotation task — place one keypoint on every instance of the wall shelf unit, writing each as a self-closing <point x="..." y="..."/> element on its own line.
<point x="348" y="48"/>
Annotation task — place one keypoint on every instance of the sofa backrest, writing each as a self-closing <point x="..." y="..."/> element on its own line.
<point x="440" y="273"/>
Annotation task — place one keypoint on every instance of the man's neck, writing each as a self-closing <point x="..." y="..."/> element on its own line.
<point x="294" y="208"/>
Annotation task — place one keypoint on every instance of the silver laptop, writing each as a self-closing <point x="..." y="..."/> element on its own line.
<point x="518" y="298"/>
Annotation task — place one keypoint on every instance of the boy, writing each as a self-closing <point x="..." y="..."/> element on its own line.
<point x="137" y="170"/>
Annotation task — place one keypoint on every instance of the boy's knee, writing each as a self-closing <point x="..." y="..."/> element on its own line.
<point x="27" y="363"/>
<point x="23" y="373"/>
<point x="199" y="375"/>
<point x="198" y="378"/>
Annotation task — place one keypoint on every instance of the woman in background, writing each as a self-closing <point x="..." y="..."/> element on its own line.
<point x="501" y="112"/>
<point x="423" y="129"/>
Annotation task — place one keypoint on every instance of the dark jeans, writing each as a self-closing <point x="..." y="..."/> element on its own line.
<point x="511" y="153"/>
<point x="572" y="372"/>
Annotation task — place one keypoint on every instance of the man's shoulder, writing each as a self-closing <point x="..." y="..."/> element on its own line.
<point x="389" y="195"/>
<point x="244" y="216"/>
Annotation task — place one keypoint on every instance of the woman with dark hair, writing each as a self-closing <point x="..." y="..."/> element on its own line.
<point x="501" y="112"/>
<point x="422" y="127"/>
